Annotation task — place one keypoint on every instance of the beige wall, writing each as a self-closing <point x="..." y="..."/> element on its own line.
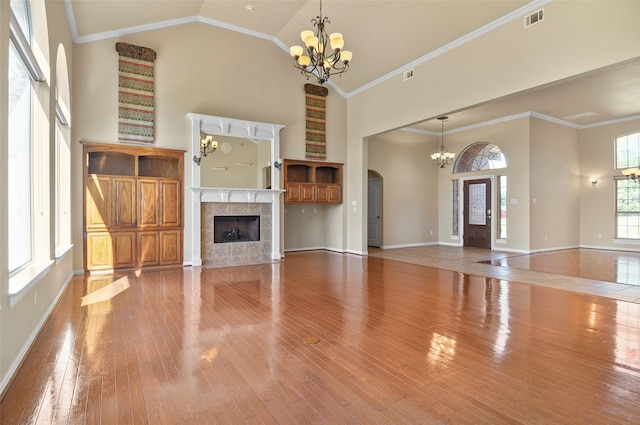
<point x="196" y="71"/>
<point x="576" y="37"/>
<point x="410" y="199"/>
<point x="597" y="204"/>
<point x="555" y="186"/>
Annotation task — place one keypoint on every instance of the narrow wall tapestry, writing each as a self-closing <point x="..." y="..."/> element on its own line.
<point x="135" y="94"/>
<point x="316" y="135"/>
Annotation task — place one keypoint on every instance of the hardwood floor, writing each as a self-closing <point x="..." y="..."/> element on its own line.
<point x="613" y="274"/>
<point x="399" y="343"/>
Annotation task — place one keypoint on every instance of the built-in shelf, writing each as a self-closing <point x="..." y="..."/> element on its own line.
<point x="133" y="206"/>
<point x="312" y="182"/>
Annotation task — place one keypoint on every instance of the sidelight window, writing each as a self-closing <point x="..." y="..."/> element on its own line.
<point x="502" y="207"/>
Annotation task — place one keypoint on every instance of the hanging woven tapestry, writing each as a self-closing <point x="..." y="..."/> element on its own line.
<point x="135" y="94"/>
<point x="316" y="134"/>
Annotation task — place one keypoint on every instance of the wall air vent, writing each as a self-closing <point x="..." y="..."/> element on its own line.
<point x="534" y="18"/>
<point x="408" y="74"/>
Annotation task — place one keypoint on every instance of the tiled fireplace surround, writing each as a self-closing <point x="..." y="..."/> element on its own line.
<point x="236" y="253"/>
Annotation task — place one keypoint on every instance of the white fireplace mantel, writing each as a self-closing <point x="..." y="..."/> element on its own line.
<point x="238" y="128"/>
<point x="221" y="194"/>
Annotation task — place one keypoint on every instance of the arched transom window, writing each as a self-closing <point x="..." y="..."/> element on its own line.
<point x="479" y="156"/>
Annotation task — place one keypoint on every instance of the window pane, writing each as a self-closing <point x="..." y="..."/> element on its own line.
<point x="478" y="204"/>
<point x="20" y="9"/>
<point x="479" y="156"/>
<point x="63" y="184"/>
<point x="19" y="164"/>
<point x="502" y="232"/>
<point x="627" y="209"/>
<point x="628" y="151"/>
<point x="454" y="207"/>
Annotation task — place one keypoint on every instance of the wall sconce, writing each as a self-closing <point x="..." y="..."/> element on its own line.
<point x="593" y="180"/>
<point x="207" y="146"/>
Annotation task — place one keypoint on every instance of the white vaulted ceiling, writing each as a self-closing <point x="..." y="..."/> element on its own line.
<point x="387" y="37"/>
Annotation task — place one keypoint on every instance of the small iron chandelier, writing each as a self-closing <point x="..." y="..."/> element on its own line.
<point x="320" y="63"/>
<point x="207" y="146"/>
<point x="442" y="158"/>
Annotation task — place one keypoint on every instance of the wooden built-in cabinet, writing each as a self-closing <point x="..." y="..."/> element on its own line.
<point x="312" y="182"/>
<point x="133" y="211"/>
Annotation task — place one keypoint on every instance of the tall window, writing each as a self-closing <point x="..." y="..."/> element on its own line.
<point x="19" y="129"/>
<point x="502" y="207"/>
<point x="63" y="187"/>
<point x="27" y="187"/>
<point x="62" y="157"/>
<point x="627" y="191"/>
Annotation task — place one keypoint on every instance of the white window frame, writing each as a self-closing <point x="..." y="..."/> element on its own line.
<point x="63" y="185"/>
<point x="22" y="278"/>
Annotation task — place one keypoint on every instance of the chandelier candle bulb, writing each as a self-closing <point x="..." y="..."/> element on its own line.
<point x="304" y="60"/>
<point x="312" y="42"/>
<point x="304" y="35"/>
<point x="337" y="41"/>
<point x="296" y="51"/>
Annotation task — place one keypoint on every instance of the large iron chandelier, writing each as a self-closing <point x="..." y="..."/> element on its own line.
<point x="442" y="158"/>
<point x="325" y="56"/>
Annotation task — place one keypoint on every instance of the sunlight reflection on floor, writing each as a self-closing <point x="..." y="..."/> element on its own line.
<point x="106" y="292"/>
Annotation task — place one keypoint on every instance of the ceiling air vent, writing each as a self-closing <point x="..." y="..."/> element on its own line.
<point x="534" y="18"/>
<point x="408" y="74"/>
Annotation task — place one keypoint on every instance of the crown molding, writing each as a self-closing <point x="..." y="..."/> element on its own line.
<point x="532" y="114"/>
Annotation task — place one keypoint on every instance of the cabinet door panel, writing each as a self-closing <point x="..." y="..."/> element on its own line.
<point x="99" y="251"/>
<point x="98" y="200"/>
<point x="148" y="204"/>
<point x="300" y="192"/>
<point x="171" y="247"/>
<point x="148" y="248"/>
<point x="322" y="193"/>
<point x="124" y="253"/>
<point x="329" y="193"/>
<point x="334" y="194"/>
<point x="171" y="201"/>
<point x="124" y="214"/>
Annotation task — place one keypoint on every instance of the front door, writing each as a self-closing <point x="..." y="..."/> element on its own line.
<point x="477" y="213"/>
